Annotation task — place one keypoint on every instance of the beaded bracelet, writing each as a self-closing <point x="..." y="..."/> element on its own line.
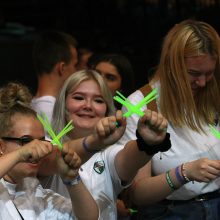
<point x="169" y="181"/>
<point x="86" y="148"/>
<point x="183" y="168"/>
<point x="179" y="177"/>
<point x="73" y="182"/>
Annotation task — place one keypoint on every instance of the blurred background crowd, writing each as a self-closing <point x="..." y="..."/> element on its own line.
<point x="132" y="28"/>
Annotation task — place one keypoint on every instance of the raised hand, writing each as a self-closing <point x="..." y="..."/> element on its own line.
<point x="152" y="127"/>
<point x="108" y="131"/>
<point x="34" y="151"/>
<point x="202" y="170"/>
<point x="68" y="163"/>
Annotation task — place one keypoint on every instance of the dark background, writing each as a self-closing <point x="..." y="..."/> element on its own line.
<point x="134" y="28"/>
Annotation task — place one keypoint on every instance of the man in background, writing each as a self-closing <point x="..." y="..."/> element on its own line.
<point x="55" y="59"/>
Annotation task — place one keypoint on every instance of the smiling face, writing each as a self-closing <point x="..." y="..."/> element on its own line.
<point x="23" y="126"/>
<point x="86" y="107"/>
<point x="111" y="75"/>
<point x="200" y="70"/>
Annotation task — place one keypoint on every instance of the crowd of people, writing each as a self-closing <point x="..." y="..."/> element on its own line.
<point x="164" y="164"/>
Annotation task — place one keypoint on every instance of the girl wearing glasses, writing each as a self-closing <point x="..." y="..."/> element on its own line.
<point x="22" y="146"/>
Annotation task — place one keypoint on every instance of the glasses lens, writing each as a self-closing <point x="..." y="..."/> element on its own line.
<point x="25" y="140"/>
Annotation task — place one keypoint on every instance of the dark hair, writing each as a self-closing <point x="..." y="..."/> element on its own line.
<point x="51" y="47"/>
<point x="14" y="98"/>
<point x="123" y="66"/>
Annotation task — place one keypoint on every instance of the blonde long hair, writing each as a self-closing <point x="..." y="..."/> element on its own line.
<point x="186" y="39"/>
<point x="59" y="112"/>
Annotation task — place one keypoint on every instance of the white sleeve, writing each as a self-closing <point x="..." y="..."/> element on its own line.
<point x="58" y="207"/>
<point x="130" y="132"/>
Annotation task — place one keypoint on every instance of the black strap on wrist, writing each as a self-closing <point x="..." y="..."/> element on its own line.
<point x="153" y="149"/>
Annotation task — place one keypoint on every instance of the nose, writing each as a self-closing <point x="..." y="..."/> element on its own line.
<point x="88" y="104"/>
<point x="201" y="81"/>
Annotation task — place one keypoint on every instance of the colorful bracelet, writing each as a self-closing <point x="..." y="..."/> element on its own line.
<point x="183" y="168"/>
<point x="179" y="177"/>
<point x="86" y="148"/>
<point x="169" y="181"/>
<point x="73" y="182"/>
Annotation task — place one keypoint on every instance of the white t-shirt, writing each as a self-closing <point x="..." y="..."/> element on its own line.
<point x="187" y="145"/>
<point x="44" y="104"/>
<point x="32" y="202"/>
<point x="101" y="179"/>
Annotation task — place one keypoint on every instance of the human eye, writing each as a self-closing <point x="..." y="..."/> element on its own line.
<point x="25" y="140"/>
<point x="194" y="73"/>
<point x="99" y="100"/>
<point x="110" y="77"/>
<point x="78" y="97"/>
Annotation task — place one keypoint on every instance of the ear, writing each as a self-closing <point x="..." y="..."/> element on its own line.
<point x="60" y="68"/>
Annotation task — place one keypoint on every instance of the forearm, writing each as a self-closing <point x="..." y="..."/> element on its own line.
<point x="129" y="160"/>
<point x="92" y="144"/>
<point x="84" y="206"/>
<point x="148" y="190"/>
<point x="8" y="161"/>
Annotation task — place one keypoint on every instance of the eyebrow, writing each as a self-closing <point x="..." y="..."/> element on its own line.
<point x="197" y="71"/>
<point x="84" y="93"/>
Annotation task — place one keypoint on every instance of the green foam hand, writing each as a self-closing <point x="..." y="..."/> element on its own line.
<point x="55" y="138"/>
<point x="135" y="108"/>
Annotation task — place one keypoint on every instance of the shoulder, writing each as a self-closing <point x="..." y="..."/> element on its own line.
<point x="43" y="99"/>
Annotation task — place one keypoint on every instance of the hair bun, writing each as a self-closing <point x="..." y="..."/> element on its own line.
<point x="14" y="93"/>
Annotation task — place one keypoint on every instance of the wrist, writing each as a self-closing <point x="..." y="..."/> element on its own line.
<point x="179" y="175"/>
<point x="87" y="144"/>
<point x="72" y="182"/>
<point x="184" y="174"/>
<point x="21" y="156"/>
<point x="153" y="149"/>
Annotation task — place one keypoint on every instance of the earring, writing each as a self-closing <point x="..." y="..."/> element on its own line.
<point x="1" y="153"/>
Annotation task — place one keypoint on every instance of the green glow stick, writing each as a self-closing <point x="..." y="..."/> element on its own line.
<point x="147" y="99"/>
<point x="55" y="138"/>
<point x="132" y="211"/>
<point x="45" y="122"/>
<point x="135" y="108"/>
<point x="129" y="106"/>
<point x="214" y="131"/>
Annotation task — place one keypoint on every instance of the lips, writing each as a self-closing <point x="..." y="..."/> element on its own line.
<point x="85" y="116"/>
<point x="33" y="164"/>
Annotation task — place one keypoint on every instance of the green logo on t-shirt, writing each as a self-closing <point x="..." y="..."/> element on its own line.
<point x="99" y="166"/>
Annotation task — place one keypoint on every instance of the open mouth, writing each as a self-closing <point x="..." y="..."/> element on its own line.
<point x="85" y="116"/>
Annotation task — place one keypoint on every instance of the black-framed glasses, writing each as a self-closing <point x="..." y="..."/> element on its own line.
<point x="22" y="140"/>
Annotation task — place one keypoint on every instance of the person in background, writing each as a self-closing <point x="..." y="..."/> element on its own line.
<point x="116" y="70"/>
<point x="183" y="183"/>
<point x="119" y="75"/>
<point x="85" y="99"/>
<point x="55" y="58"/>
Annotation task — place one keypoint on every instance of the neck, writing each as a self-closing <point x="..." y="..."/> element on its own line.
<point x="48" y="84"/>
